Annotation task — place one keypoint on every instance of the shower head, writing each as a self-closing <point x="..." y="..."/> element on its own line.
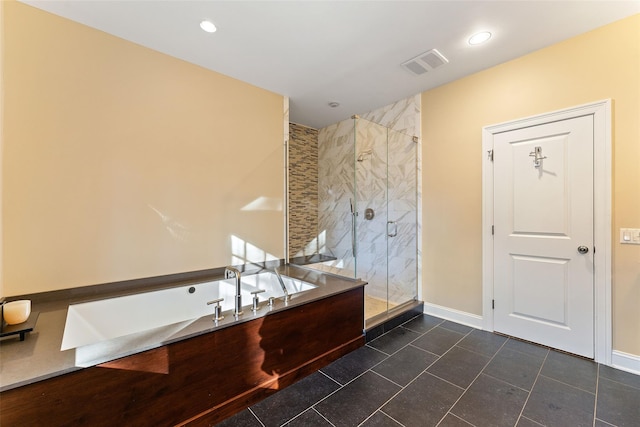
<point x="363" y="155"/>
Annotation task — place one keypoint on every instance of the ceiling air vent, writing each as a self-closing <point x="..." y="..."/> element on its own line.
<point x="426" y="61"/>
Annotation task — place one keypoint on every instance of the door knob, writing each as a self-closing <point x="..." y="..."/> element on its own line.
<point x="583" y="249"/>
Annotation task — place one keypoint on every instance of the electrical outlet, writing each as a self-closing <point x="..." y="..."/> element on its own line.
<point x="630" y="236"/>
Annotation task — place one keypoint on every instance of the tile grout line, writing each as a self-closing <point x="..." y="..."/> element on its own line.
<point x="416" y="377"/>
<point x="443" y="380"/>
<point x="620" y="383"/>
<point x="311" y="408"/>
<point x="478" y="353"/>
<point x="515" y="339"/>
<point x="326" y="375"/>
<point x="381" y="411"/>
<point x="392" y="397"/>
<point x="470" y="384"/>
<point x="328" y="395"/>
<point x="350" y="381"/>
<point x="507" y="382"/>
<point x="340" y="386"/>
<point x="376" y="349"/>
<point x="529" y="419"/>
<point x="421" y="334"/>
<point x="402" y="388"/>
<point x="606" y="423"/>
<point x="410" y="343"/>
<point x="569" y="385"/>
<point x="256" y="417"/>
<point x="399" y="423"/>
<point x="453" y="330"/>
<point x="414" y="318"/>
<point x="421" y="349"/>
<point x="532" y="387"/>
<point x="461" y="419"/>
<point x="335" y="391"/>
<point x="438" y="357"/>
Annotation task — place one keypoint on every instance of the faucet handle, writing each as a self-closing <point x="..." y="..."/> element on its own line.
<point x="256" y="301"/>
<point x="217" y="311"/>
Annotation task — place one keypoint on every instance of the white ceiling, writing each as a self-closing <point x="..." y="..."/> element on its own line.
<point x="315" y="52"/>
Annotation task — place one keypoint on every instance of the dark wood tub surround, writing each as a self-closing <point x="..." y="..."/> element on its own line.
<point x="200" y="380"/>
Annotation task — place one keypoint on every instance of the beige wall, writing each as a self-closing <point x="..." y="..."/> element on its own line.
<point x="604" y="63"/>
<point x="120" y="162"/>
<point x="1" y="146"/>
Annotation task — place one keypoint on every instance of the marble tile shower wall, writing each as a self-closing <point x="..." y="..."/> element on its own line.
<point x="371" y="193"/>
<point x="303" y="190"/>
<point x="336" y="151"/>
<point x="402" y="116"/>
<point x="336" y="184"/>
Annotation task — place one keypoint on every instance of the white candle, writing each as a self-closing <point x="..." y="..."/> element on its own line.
<point x="15" y="312"/>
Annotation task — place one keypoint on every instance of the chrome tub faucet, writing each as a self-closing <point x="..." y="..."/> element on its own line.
<point x="286" y="297"/>
<point x="230" y="273"/>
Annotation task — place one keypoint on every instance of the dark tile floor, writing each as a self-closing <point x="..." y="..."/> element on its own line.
<point x="430" y="372"/>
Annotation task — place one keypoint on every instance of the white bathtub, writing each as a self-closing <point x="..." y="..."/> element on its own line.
<point x="99" y="321"/>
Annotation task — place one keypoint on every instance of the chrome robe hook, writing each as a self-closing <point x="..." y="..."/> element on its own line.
<point x="537" y="156"/>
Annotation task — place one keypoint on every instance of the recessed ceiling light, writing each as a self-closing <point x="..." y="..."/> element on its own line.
<point x="479" y="38"/>
<point x="208" y="26"/>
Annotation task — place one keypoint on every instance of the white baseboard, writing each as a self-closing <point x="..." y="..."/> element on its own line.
<point x="625" y="362"/>
<point x="454" y="315"/>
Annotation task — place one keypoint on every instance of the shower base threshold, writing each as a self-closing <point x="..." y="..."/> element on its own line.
<point x="384" y="322"/>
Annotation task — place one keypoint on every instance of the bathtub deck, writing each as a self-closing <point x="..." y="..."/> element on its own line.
<point x="199" y="380"/>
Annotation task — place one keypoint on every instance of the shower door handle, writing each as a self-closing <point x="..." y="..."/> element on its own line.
<point x="353" y="228"/>
<point x="393" y="233"/>
<point x="353" y="234"/>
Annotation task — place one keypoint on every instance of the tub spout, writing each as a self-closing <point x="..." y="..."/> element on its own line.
<point x="230" y="273"/>
<point x="286" y="297"/>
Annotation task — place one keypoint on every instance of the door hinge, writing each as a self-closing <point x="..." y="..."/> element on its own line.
<point x="493" y="304"/>
<point x="594" y="249"/>
<point x="490" y="153"/>
<point x="493" y="230"/>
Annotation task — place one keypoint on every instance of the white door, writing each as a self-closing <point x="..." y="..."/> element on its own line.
<point x="543" y="242"/>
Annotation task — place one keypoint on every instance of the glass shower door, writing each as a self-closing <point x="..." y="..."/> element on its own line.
<point x="386" y="231"/>
<point x="367" y="212"/>
<point x="402" y="209"/>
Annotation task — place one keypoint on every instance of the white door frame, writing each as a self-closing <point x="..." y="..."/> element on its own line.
<point x="601" y="112"/>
